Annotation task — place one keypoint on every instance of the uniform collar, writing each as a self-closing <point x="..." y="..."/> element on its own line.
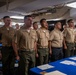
<point x="56" y="29"/>
<point x="7" y="28"/>
<point x="43" y="30"/>
<point x="70" y="28"/>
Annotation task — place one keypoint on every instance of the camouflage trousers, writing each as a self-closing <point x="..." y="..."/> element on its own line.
<point x="43" y="55"/>
<point x="27" y="61"/>
<point x="8" y="60"/>
<point x="70" y="49"/>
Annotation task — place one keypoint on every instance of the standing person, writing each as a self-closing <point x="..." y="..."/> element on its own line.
<point x="7" y="34"/>
<point x="56" y="42"/>
<point x="69" y="39"/>
<point x="75" y="40"/>
<point x="17" y="26"/>
<point x="35" y="25"/>
<point x="25" y="39"/>
<point x="65" y="26"/>
<point x="43" y="38"/>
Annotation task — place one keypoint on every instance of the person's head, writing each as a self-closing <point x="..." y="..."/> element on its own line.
<point x="58" y="25"/>
<point x="44" y="23"/>
<point x="35" y="25"/>
<point x="28" y="20"/>
<point x="7" y="20"/>
<point x="17" y="26"/>
<point x="70" y="23"/>
<point x="65" y="26"/>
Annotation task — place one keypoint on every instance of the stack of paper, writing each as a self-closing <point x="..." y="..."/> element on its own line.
<point x="73" y="58"/>
<point x="44" y="67"/>
<point x="67" y="62"/>
<point x="55" y="73"/>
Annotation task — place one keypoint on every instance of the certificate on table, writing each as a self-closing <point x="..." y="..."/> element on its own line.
<point x="67" y="62"/>
<point x="44" y="67"/>
<point x="55" y="73"/>
<point x="72" y="58"/>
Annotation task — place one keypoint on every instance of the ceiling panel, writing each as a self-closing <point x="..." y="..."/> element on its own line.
<point x="38" y="4"/>
<point x="22" y="6"/>
<point x="3" y="2"/>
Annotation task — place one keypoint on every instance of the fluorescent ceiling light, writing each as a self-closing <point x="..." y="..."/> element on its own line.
<point x="1" y="23"/>
<point x="17" y="17"/>
<point x="14" y="23"/>
<point x="26" y="13"/>
<point x="54" y="19"/>
<point x="73" y="5"/>
<point x="48" y="13"/>
<point x="20" y="23"/>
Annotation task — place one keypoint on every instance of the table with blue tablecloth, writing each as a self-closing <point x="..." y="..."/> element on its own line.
<point x="68" y="69"/>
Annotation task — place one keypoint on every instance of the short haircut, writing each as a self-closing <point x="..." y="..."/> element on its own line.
<point x="6" y="17"/>
<point x="42" y="20"/>
<point x="56" y="22"/>
<point x="34" y="23"/>
<point x="25" y="17"/>
<point x="69" y="20"/>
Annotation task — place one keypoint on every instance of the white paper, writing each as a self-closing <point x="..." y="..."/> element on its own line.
<point x="73" y="58"/>
<point x="55" y="73"/>
<point x="67" y="62"/>
<point x="44" y="67"/>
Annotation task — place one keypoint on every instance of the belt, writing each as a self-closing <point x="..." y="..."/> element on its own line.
<point x="26" y="50"/>
<point x="8" y="46"/>
<point x="57" y="47"/>
<point x="69" y="42"/>
<point x="43" y="47"/>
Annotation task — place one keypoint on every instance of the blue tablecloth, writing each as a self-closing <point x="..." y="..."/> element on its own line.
<point x="67" y="69"/>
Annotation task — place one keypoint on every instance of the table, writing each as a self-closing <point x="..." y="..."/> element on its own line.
<point x="67" y="69"/>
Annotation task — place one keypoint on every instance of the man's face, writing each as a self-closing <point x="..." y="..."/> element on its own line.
<point x="7" y="21"/>
<point x="45" y="24"/>
<point x="58" y="25"/>
<point x="28" y="21"/>
<point x="17" y="26"/>
<point x="71" y="23"/>
<point x="35" y="26"/>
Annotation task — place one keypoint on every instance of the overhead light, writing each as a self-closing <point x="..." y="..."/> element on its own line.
<point x="1" y="23"/>
<point x="73" y="5"/>
<point x="20" y="23"/>
<point x="26" y="13"/>
<point x="48" y="13"/>
<point x="54" y="19"/>
<point x="17" y="17"/>
<point x="14" y="23"/>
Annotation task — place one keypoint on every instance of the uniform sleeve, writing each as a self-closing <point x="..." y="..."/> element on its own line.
<point x="0" y="34"/>
<point x="48" y="35"/>
<point x="36" y="37"/>
<point x="37" y="34"/>
<point x="75" y="37"/>
<point x="17" y="37"/>
<point x="65" y="32"/>
<point x="51" y="36"/>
